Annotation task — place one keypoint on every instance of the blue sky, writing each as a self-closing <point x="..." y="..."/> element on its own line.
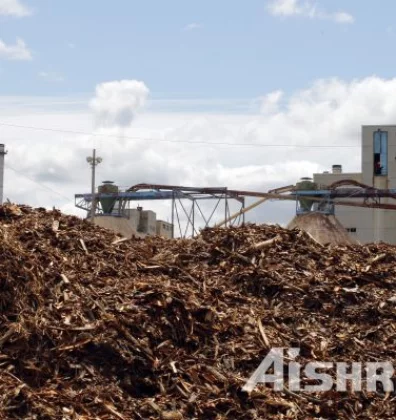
<point x="234" y="49"/>
<point x="201" y="93"/>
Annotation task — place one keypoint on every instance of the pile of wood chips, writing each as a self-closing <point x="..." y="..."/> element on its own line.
<point x="97" y="327"/>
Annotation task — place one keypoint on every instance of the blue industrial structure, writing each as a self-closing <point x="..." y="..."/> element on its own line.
<point x="115" y="203"/>
<point x="307" y="200"/>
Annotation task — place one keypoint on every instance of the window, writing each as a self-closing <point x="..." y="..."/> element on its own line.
<point x="380" y="153"/>
<point x="351" y="230"/>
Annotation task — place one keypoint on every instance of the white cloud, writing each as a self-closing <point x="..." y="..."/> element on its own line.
<point x="287" y="8"/>
<point x="71" y="45"/>
<point x="13" y="8"/>
<point x="17" y="51"/>
<point x="342" y="17"/>
<point x="270" y="102"/>
<point x="192" y="26"/>
<point x="328" y="112"/>
<point x="51" y="77"/>
<point x="116" y="103"/>
<point x="307" y="8"/>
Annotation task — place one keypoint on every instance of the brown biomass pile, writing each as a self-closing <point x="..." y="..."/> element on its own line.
<point x="93" y="328"/>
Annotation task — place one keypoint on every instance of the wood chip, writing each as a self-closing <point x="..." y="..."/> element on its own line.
<point x="94" y="327"/>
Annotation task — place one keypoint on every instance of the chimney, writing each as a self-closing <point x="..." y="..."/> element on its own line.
<point x="337" y="169"/>
<point x="2" y="154"/>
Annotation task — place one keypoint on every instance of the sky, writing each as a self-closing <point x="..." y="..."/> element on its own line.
<point x="250" y="95"/>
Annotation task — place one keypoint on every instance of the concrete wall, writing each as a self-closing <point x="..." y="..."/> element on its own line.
<point x="119" y="225"/>
<point x="372" y="225"/>
<point x="133" y="217"/>
<point x="164" y="229"/>
<point x="383" y="221"/>
<point x="368" y="155"/>
<point x="148" y="222"/>
<point x="139" y="223"/>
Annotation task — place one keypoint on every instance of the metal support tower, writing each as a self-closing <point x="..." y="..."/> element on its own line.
<point x="189" y="219"/>
<point x="190" y="206"/>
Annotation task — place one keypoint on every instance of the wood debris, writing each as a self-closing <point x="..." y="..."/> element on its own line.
<point x="93" y="327"/>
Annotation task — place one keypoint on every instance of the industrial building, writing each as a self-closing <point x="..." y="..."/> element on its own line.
<point x="126" y="221"/>
<point x="135" y="222"/>
<point x="378" y="171"/>
<point x="111" y="208"/>
<point x="360" y="204"/>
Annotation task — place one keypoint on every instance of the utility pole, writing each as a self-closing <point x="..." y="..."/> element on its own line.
<point x="2" y="155"/>
<point x="94" y="162"/>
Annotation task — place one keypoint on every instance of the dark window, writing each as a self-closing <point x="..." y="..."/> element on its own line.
<point x="351" y="230"/>
<point x="381" y="153"/>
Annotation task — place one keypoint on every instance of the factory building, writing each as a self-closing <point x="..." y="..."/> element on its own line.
<point x="129" y="222"/>
<point x="164" y="229"/>
<point x="378" y="171"/>
<point x="136" y="222"/>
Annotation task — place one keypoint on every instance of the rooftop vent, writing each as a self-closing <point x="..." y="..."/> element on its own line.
<point x="337" y="169"/>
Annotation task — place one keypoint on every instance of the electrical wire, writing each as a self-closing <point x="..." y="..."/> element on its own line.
<point x="302" y="146"/>
<point x="43" y="186"/>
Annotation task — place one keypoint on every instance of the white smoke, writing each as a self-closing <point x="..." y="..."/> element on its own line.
<point x="116" y="103"/>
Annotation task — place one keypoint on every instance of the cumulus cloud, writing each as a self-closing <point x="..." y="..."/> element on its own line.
<point x="192" y="26"/>
<point x="13" y="8"/>
<point x="270" y="102"/>
<point x="308" y="9"/>
<point x="17" y="51"/>
<point x="328" y="113"/>
<point x="116" y="103"/>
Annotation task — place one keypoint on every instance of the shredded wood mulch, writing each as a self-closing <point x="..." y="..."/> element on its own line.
<point x="97" y="327"/>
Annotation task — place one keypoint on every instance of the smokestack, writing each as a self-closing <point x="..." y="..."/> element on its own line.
<point x="337" y="169"/>
<point x="2" y="154"/>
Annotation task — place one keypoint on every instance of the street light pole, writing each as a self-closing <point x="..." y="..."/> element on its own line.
<point x="93" y="179"/>
<point x="94" y="162"/>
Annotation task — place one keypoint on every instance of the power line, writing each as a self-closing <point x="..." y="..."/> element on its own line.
<point x="302" y="146"/>
<point x="38" y="183"/>
<point x="43" y="186"/>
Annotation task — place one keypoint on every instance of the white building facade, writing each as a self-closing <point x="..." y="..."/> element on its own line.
<point x="379" y="171"/>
